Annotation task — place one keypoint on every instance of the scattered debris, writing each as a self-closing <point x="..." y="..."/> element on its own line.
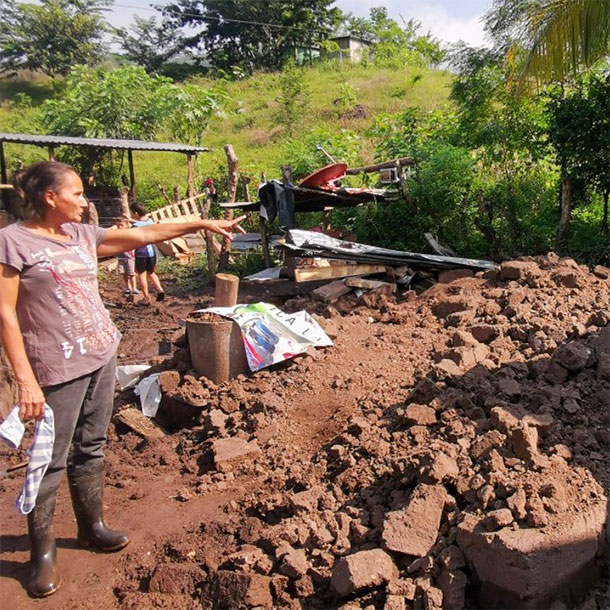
<point x="335" y="271"/>
<point x="140" y="423"/>
<point x="312" y="244"/>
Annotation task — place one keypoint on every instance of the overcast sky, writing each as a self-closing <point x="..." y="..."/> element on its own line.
<point x="448" y="20"/>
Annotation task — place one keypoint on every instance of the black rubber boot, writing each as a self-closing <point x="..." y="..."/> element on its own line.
<point x="44" y="579"/>
<point x="86" y="484"/>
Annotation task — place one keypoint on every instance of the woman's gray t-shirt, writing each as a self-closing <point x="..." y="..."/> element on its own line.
<point x="66" y="328"/>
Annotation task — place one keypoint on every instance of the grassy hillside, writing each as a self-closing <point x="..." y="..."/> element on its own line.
<point x="249" y="121"/>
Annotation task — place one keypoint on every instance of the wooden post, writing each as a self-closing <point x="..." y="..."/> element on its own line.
<point x="265" y="242"/>
<point x="226" y="289"/>
<point x="124" y="197"/>
<point x="190" y="178"/>
<point x="176" y="194"/>
<point x="209" y="240"/>
<point x="232" y="162"/>
<point x="164" y="193"/>
<point x="3" y="176"/>
<point x="132" y="176"/>
<point x="289" y="259"/>
<point x="564" y="220"/>
<point x="245" y="181"/>
<point x="93" y="218"/>
<point x="51" y="150"/>
<point x="326" y="225"/>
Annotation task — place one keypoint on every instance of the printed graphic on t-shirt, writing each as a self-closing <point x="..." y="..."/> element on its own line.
<point x="86" y="326"/>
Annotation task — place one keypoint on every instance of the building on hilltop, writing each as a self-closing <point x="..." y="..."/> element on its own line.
<point x="350" y="48"/>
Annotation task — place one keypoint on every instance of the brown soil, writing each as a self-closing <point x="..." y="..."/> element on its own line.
<point x="492" y="391"/>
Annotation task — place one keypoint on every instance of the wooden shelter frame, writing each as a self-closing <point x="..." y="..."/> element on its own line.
<point x="52" y="142"/>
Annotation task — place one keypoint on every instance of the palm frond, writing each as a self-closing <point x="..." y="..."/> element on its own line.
<point x="564" y="36"/>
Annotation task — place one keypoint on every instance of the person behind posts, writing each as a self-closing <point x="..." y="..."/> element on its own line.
<point x="126" y="262"/>
<point x="62" y="345"/>
<point x="146" y="257"/>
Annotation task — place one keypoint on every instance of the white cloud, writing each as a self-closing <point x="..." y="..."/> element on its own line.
<point x="449" y="28"/>
<point x="449" y="21"/>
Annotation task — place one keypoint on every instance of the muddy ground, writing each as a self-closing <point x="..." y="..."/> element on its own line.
<point x="450" y="450"/>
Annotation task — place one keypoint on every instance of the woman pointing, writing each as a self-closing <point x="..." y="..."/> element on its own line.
<point x="62" y="345"/>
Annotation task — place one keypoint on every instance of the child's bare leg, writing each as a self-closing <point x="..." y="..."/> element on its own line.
<point x="154" y="278"/>
<point x="144" y="284"/>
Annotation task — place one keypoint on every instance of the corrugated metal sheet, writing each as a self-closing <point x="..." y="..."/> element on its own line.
<point x="24" y="138"/>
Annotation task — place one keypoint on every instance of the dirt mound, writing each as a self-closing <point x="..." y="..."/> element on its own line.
<point x="455" y="426"/>
<point x="449" y="451"/>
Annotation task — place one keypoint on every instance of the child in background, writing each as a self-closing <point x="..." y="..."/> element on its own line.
<point x="126" y="261"/>
<point x="146" y="257"/>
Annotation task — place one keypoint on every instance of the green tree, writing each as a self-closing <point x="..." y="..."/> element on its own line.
<point x="151" y="43"/>
<point x="505" y="127"/>
<point x="126" y="103"/>
<point x="553" y="37"/>
<point x="579" y="130"/>
<point x="254" y="34"/>
<point x="52" y="36"/>
<point x="188" y="108"/>
<point x="393" y="44"/>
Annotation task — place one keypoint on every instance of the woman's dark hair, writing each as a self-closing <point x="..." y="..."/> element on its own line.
<point x="139" y="208"/>
<point x="32" y="183"/>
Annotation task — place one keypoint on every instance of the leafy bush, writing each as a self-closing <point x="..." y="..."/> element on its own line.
<point x="346" y="100"/>
<point x="517" y="216"/>
<point x="588" y="241"/>
<point x="301" y="153"/>
<point x="293" y="97"/>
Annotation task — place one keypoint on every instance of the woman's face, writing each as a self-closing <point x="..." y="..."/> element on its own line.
<point x="68" y="201"/>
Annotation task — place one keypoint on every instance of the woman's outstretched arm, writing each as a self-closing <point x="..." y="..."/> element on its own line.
<point x="121" y="240"/>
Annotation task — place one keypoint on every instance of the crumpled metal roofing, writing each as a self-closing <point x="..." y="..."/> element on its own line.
<point x="38" y="140"/>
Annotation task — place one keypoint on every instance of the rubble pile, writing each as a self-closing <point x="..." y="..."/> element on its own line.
<point x="474" y="478"/>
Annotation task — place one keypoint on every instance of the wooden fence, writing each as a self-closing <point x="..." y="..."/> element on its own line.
<point x="193" y="208"/>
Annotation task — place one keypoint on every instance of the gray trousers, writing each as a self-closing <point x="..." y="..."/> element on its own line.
<point x="82" y="409"/>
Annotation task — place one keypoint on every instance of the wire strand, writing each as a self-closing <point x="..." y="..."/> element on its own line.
<point x="228" y="20"/>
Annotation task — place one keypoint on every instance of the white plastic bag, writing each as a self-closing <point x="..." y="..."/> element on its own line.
<point x="128" y="374"/>
<point x="149" y="391"/>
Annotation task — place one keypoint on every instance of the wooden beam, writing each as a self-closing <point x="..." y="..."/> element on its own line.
<point x="360" y="282"/>
<point x="335" y="271"/>
<point x="51" y="150"/>
<point x="329" y="293"/>
<point x="385" y="165"/>
<point x="132" y="176"/>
